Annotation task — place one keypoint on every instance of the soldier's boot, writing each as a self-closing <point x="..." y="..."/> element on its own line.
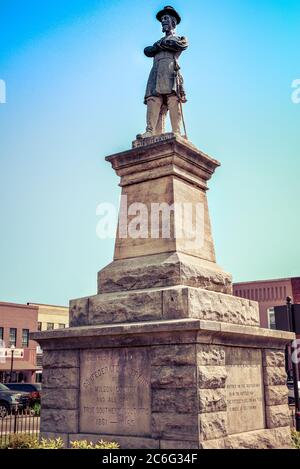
<point x="161" y="123"/>
<point x="175" y="114"/>
<point x="154" y="104"/>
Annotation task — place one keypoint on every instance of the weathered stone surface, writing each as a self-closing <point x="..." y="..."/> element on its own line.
<point x="277" y="416"/>
<point x="173" y="355"/>
<point x="275" y="376"/>
<point x="79" y="311"/>
<point x="276" y="395"/>
<point x="211" y="377"/>
<point x="244" y="390"/>
<point x="61" y="359"/>
<point x="59" y="421"/>
<point x="115" y="392"/>
<point x="163" y="270"/>
<point x="168" y="444"/>
<point x="60" y="398"/>
<point x="182" y="401"/>
<point x="212" y="426"/>
<point x="210" y="355"/>
<point x="274" y="358"/>
<point x="279" y="438"/>
<point x="183" y="427"/>
<point x="173" y="377"/>
<point x="176" y="303"/>
<point x="214" y="306"/>
<point x="213" y="444"/>
<point x="212" y="400"/>
<point x="61" y="378"/>
<point x="125" y="442"/>
<point x="54" y="436"/>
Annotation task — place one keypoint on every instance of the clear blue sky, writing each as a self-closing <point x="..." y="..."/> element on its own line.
<point x="76" y="74"/>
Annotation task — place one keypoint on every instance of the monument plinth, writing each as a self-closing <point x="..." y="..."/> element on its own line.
<point x="164" y="356"/>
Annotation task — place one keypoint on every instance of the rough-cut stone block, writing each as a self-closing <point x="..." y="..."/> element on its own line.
<point x="213" y="444"/>
<point x="175" y="303"/>
<point x="212" y="377"/>
<point x="275" y="376"/>
<point x="277" y="416"/>
<point x="212" y="426"/>
<point x="210" y="355"/>
<point x="261" y="439"/>
<point x="59" y="421"/>
<point x="214" y="306"/>
<point x="183" y="427"/>
<point x="168" y="444"/>
<point x="125" y="442"/>
<point x="182" y="401"/>
<point x="173" y="355"/>
<point x="61" y="378"/>
<point x="173" y="377"/>
<point x="163" y="270"/>
<point x="212" y="400"/>
<point x="60" y="398"/>
<point x="125" y="307"/>
<point x="276" y="395"/>
<point x="79" y="311"/>
<point x="61" y="359"/>
<point x="54" y="436"/>
<point x="274" y="358"/>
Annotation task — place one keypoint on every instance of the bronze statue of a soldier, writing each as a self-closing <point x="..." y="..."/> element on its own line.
<point x="165" y="90"/>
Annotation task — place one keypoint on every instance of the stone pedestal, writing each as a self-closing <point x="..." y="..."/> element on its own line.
<point x="164" y="356"/>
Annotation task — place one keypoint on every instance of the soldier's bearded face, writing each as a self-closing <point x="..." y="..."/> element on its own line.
<point x="167" y="23"/>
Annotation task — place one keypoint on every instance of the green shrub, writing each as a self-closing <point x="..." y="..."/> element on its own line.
<point x="37" y="409"/>
<point x="296" y="439"/>
<point x="23" y="441"/>
<point x="84" y="444"/>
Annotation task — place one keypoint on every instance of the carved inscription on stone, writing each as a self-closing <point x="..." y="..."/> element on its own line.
<point x="244" y="390"/>
<point x="115" y="392"/>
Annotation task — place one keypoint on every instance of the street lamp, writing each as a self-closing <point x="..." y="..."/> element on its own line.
<point x="12" y="350"/>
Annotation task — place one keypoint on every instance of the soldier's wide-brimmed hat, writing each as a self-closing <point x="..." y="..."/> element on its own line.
<point x="168" y="10"/>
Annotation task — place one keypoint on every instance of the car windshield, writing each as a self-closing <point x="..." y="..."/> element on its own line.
<point x="3" y="388"/>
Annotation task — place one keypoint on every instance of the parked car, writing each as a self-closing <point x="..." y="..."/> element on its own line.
<point x="34" y="390"/>
<point x="292" y="392"/>
<point x="11" y="401"/>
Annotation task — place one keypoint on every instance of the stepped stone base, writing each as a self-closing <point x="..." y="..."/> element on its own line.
<point x="175" y="384"/>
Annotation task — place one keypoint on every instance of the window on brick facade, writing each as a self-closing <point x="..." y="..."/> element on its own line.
<point x="12" y="337"/>
<point x="50" y="326"/>
<point x="1" y="333"/>
<point x="61" y="326"/>
<point x="25" y="338"/>
<point x="39" y="326"/>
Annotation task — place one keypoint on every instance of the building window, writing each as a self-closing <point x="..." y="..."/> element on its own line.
<point x="39" y="326"/>
<point x="61" y="326"/>
<point x="271" y="318"/>
<point x="12" y="337"/>
<point x="25" y="338"/>
<point x="50" y="326"/>
<point x="1" y="333"/>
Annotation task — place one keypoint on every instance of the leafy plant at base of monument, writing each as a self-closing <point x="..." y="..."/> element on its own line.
<point x="23" y="441"/>
<point x="296" y="439"/>
<point x="84" y="444"/>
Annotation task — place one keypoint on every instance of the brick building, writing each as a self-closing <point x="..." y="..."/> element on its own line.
<point x="16" y="323"/>
<point x="269" y="293"/>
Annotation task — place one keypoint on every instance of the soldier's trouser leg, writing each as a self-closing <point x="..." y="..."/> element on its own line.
<point x="161" y="124"/>
<point x="175" y="113"/>
<point x="154" y="104"/>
